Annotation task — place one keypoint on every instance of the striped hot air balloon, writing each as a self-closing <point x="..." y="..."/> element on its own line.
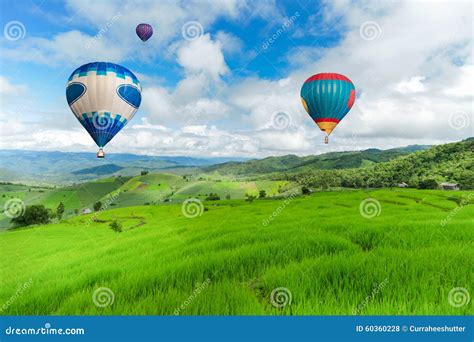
<point x="327" y="98"/>
<point x="144" y="31"/>
<point x="104" y="98"/>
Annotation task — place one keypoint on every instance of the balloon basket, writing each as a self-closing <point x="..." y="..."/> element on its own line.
<point x="326" y="140"/>
<point x="101" y="154"/>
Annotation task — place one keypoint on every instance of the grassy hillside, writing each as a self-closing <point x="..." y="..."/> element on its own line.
<point x="150" y="189"/>
<point x="234" y="189"/>
<point x="99" y="170"/>
<point x="292" y="163"/>
<point x="320" y="248"/>
<point x="443" y="163"/>
<point x="73" y="197"/>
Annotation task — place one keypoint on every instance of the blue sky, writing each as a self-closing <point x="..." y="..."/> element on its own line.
<point x="223" y="91"/>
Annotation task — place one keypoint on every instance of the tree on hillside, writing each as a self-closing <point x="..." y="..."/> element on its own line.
<point x="213" y="197"/>
<point x="262" y="194"/>
<point x="144" y="173"/>
<point x="428" y="183"/>
<point x="250" y="198"/>
<point x="60" y="210"/>
<point x="115" y="226"/>
<point x="97" y="205"/>
<point x="227" y="197"/>
<point x="34" y="214"/>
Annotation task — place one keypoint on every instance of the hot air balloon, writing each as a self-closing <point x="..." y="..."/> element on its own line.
<point x="144" y="31"/>
<point x="327" y="98"/>
<point x="104" y="98"/>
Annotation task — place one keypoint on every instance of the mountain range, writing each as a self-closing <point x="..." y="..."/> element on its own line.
<point x="70" y="167"/>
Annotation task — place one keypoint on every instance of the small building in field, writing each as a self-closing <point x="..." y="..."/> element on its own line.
<point x="86" y="211"/>
<point x="449" y="186"/>
<point x="402" y="185"/>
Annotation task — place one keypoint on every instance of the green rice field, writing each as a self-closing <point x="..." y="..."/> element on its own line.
<point x="381" y="252"/>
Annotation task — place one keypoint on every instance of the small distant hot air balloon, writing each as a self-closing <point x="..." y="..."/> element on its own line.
<point x="104" y="98"/>
<point x="327" y="98"/>
<point x="144" y="31"/>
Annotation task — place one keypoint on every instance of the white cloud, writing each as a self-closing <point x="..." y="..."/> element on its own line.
<point x="9" y="89"/>
<point x="230" y="43"/>
<point x="464" y="83"/>
<point x="203" y="55"/>
<point x="68" y="49"/>
<point x="413" y="85"/>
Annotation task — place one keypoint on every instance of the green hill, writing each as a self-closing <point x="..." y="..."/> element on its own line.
<point x="99" y="170"/>
<point x="442" y="163"/>
<point x="150" y="189"/>
<point x="328" y="251"/>
<point x="292" y="163"/>
<point x="74" y="197"/>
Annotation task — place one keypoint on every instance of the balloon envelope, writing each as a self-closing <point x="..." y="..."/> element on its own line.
<point x="144" y="31"/>
<point x="327" y="98"/>
<point x="104" y="97"/>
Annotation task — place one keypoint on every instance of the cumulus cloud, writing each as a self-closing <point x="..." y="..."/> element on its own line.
<point x="7" y="88"/>
<point x="203" y="55"/>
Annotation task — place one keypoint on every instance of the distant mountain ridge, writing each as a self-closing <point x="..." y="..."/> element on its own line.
<point x="330" y="160"/>
<point x="68" y="167"/>
<point x="99" y="170"/>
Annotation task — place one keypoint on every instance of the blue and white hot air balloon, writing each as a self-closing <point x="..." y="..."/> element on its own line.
<point x="104" y="97"/>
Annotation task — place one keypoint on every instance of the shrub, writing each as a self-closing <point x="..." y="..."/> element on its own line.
<point x="115" y="226"/>
<point x="97" y="205"/>
<point x="60" y="210"/>
<point x="250" y="198"/>
<point x="213" y="197"/>
<point x="305" y="190"/>
<point x="262" y="194"/>
<point x="34" y="214"/>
